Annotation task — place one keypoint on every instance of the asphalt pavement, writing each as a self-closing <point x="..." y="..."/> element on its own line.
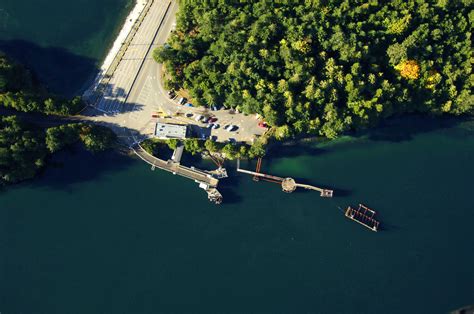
<point x="136" y="92"/>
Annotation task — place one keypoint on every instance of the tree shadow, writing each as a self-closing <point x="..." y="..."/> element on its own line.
<point x="396" y="129"/>
<point x="59" y="70"/>
<point x="229" y="186"/>
<point x="199" y="131"/>
<point x="108" y="100"/>
<point x="293" y="149"/>
<point x="406" y="127"/>
<point x="75" y="165"/>
<point x="189" y="160"/>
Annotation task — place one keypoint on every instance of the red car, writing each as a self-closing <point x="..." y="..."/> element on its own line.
<point x="263" y="124"/>
<point x="212" y="120"/>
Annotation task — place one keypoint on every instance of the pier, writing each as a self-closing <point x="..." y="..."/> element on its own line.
<point x="288" y="185"/>
<point x="207" y="180"/>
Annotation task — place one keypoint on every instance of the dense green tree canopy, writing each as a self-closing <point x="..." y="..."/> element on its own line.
<point x="323" y="67"/>
<point x="96" y="138"/>
<point x="22" y="151"/>
<point x="24" y="148"/>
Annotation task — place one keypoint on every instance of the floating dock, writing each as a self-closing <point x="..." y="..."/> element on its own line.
<point x="288" y="185"/>
<point x="364" y="216"/>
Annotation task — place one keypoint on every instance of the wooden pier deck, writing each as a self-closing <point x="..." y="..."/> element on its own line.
<point x="288" y="185"/>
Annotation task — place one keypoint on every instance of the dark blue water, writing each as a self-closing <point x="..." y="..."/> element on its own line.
<point x="63" y="42"/>
<point x="105" y="234"/>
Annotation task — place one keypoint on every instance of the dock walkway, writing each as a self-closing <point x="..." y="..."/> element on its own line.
<point x="288" y="184"/>
<point x="205" y="180"/>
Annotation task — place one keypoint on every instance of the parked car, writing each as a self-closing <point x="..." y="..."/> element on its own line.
<point x="212" y="120"/>
<point x="155" y="115"/>
<point x="189" y="115"/>
<point x="263" y="124"/>
<point x="215" y="126"/>
<point x="205" y="119"/>
<point x="189" y="104"/>
<point x="209" y="126"/>
<point x="182" y="101"/>
<point x="230" y="128"/>
<point x="198" y="117"/>
<point x="171" y="94"/>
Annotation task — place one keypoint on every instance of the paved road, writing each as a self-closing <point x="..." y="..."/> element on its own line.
<point x="135" y="91"/>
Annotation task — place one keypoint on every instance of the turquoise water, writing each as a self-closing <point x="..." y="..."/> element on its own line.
<point x="105" y="234"/>
<point x="62" y="41"/>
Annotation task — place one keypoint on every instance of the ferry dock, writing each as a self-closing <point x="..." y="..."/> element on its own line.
<point x="207" y="180"/>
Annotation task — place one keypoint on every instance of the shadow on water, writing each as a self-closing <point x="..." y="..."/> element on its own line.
<point x="405" y="128"/>
<point x="76" y="165"/>
<point x="341" y="192"/>
<point x="396" y="130"/>
<point x="61" y="71"/>
<point x="385" y="226"/>
<point x="293" y="149"/>
<point x="229" y="187"/>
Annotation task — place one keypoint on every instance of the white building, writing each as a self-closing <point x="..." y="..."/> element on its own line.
<point x="168" y="131"/>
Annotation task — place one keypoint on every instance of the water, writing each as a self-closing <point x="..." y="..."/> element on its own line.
<point x="106" y="234"/>
<point x="62" y="41"/>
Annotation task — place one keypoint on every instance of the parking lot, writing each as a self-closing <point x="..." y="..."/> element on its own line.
<point x="135" y="98"/>
<point x="245" y="127"/>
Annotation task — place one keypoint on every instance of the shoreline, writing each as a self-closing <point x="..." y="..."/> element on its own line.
<point x="126" y="28"/>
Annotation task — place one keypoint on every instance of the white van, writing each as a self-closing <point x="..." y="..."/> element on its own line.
<point x="198" y="118"/>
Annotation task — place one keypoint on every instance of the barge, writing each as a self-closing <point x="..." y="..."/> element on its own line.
<point x="364" y="216"/>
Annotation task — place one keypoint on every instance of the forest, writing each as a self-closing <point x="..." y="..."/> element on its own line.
<point x="24" y="148"/>
<point x="324" y="67"/>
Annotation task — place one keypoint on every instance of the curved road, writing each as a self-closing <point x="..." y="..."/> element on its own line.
<point x="136" y="90"/>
